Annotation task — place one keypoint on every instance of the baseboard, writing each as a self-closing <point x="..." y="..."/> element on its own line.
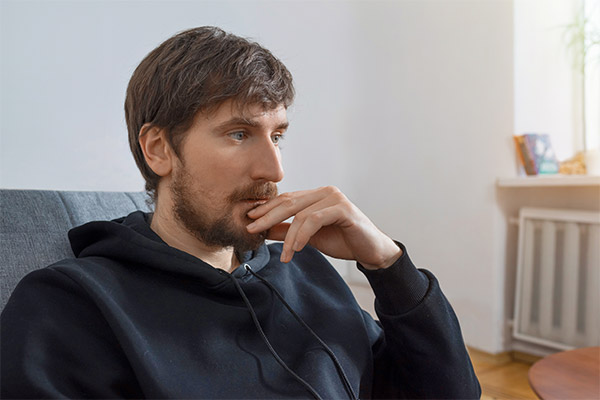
<point x="504" y="357"/>
<point x="532" y="349"/>
<point x="491" y="358"/>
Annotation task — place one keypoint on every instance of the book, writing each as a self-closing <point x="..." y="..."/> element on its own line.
<point x="524" y="155"/>
<point x="536" y="154"/>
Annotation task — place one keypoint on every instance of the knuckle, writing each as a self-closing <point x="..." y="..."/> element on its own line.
<point x="348" y="206"/>
<point x="341" y="197"/>
<point x="288" y="202"/>
<point x="331" y="190"/>
<point x="316" y="217"/>
<point x="335" y="193"/>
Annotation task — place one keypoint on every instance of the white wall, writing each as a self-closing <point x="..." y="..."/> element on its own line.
<point x="66" y="65"/>
<point x="407" y="106"/>
<point x="436" y="117"/>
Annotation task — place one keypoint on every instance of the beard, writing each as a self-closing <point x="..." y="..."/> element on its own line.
<point x="218" y="229"/>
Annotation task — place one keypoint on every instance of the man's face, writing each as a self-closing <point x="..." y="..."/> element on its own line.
<point x="230" y="163"/>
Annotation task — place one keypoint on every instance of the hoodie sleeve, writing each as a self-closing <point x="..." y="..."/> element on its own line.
<point x="56" y="344"/>
<point x="421" y="353"/>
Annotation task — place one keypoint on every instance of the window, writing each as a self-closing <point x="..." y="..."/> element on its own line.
<point x="549" y="88"/>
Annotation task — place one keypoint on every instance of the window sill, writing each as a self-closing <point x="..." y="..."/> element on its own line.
<point x="549" y="181"/>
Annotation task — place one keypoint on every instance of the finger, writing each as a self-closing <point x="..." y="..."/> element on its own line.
<point x="291" y="204"/>
<point x="313" y="224"/>
<point x="276" y="211"/>
<point x="278" y="232"/>
<point x="298" y="200"/>
<point x="307" y="223"/>
<point x="288" y="197"/>
<point x="287" y="251"/>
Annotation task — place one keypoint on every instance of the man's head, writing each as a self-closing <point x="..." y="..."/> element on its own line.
<point x="195" y="71"/>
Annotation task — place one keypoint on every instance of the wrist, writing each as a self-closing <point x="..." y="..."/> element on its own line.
<point x="392" y="255"/>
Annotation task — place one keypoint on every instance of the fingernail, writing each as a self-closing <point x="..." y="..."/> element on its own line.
<point x="282" y="257"/>
<point x="296" y="246"/>
<point x="251" y="225"/>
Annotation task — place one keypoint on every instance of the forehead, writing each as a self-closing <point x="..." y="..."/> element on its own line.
<point x="252" y="114"/>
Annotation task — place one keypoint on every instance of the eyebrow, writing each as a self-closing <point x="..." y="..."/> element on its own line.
<point x="236" y="121"/>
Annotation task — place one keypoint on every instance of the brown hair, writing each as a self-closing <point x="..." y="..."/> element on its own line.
<point x="197" y="70"/>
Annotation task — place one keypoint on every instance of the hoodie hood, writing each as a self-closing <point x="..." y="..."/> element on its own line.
<point x="130" y="240"/>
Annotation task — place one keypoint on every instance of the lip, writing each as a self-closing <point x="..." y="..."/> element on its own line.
<point x="255" y="202"/>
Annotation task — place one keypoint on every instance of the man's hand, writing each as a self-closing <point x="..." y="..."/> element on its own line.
<point x="328" y="221"/>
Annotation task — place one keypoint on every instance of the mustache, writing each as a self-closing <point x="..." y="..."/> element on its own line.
<point x="266" y="190"/>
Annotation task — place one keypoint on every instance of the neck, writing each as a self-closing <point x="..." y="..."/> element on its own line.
<point x="166" y="226"/>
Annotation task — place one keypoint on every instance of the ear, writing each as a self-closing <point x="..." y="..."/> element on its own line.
<point x="157" y="151"/>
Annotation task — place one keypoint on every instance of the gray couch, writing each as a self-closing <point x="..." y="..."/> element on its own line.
<point x="34" y="226"/>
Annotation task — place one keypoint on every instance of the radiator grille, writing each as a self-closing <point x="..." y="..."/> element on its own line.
<point x="558" y="278"/>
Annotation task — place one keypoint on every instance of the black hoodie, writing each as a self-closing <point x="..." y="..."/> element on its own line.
<point x="134" y="317"/>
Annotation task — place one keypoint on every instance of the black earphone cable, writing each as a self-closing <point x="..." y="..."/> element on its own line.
<point x="330" y="352"/>
<point x="308" y="387"/>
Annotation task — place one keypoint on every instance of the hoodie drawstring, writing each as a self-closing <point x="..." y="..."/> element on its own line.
<point x="312" y="391"/>
<point x="328" y="350"/>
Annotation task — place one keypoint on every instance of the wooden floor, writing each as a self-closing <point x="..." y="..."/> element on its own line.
<point x="502" y="377"/>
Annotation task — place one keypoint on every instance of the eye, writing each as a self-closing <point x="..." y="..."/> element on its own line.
<point x="239" y="135"/>
<point x="277" y="138"/>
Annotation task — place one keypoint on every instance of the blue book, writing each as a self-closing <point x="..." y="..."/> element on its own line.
<point x="542" y="153"/>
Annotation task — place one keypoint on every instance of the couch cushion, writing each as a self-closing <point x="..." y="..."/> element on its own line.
<point x="34" y="226"/>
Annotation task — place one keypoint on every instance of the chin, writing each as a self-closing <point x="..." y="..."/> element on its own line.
<point x="248" y="246"/>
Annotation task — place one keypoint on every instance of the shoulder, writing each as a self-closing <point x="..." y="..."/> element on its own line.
<point x="45" y="288"/>
<point x="54" y="335"/>
<point x="57" y="288"/>
<point x="49" y="302"/>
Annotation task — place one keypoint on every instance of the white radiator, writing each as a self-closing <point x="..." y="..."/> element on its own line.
<point x="558" y="278"/>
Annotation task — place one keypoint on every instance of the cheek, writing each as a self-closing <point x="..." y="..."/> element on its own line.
<point x="215" y="187"/>
<point x="225" y="176"/>
<point x="216" y="173"/>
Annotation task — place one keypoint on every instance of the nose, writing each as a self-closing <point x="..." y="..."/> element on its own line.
<point x="266" y="164"/>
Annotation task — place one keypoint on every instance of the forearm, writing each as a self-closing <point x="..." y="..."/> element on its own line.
<point x="422" y="353"/>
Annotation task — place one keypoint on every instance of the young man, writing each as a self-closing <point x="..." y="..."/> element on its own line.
<point x="188" y="301"/>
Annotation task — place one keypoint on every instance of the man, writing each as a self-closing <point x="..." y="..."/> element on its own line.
<point x="188" y="301"/>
